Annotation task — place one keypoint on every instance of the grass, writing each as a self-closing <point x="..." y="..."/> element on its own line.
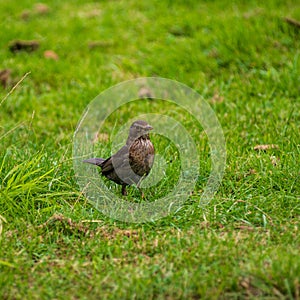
<point x="244" y="59"/>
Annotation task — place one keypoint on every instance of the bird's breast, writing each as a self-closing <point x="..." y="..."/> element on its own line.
<point x="141" y="156"/>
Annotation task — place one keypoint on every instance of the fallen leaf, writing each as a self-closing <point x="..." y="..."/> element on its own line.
<point x="19" y="45"/>
<point x="25" y="14"/>
<point x="217" y="98"/>
<point x="5" y="77"/>
<point x="41" y="8"/>
<point x="145" y="93"/>
<point x="274" y="160"/>
<point x="251" y="172"/>
<point x="100" y="44"/>
<point x="50" y="54"/>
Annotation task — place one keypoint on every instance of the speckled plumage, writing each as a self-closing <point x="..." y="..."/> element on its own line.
<point x="133" y="161"/>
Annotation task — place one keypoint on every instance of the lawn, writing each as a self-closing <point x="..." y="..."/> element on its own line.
<point x="242" y="57"/>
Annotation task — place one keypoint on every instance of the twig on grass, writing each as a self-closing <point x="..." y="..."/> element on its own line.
<point x="293" y="22"/>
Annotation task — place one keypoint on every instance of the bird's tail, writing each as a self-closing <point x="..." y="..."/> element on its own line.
<point x="94" y="161"/>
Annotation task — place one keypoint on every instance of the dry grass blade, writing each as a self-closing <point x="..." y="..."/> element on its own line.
<point x="265" y="147"/>
<point x="11" y="130"/>
<point x="14" y="87"/>
<point x="2" y="220"/>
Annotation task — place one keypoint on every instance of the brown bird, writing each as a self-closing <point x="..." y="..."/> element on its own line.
<point x="133" y="161"/>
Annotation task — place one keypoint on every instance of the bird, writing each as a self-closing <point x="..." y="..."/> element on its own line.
<point x="133" y="162"/>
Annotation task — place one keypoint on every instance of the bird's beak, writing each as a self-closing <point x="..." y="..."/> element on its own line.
<point x="149" y="127"/>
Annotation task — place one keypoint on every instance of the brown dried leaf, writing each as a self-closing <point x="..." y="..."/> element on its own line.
<point x="5" y="77"/>
<point x="41" y="8"/>
<point x="145" y="93"/>
<point x="19" y="45"/>
<point x="274" y="160"/>
<point x="100" y="44"/>
<point x="25" y="14"/>
<point x="217" y="98"/>
<point x="250" y="172"/>
<point x="50" y="54"/>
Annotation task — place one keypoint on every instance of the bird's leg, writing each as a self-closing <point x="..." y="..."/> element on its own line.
<point x="140" y="190"/>
<point x="124" y="192"/>
<point x="142" y="193"/>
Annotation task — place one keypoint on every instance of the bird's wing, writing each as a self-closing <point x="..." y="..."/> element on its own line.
<point x="116" y="161"/>
<point x="107" y="166"/>
<point x="149" y="160"/>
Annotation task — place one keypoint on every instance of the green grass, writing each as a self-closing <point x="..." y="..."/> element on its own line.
<point x="244" y="59"/>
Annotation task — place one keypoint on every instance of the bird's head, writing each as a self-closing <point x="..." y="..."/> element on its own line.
<point x="139" y="129"/>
